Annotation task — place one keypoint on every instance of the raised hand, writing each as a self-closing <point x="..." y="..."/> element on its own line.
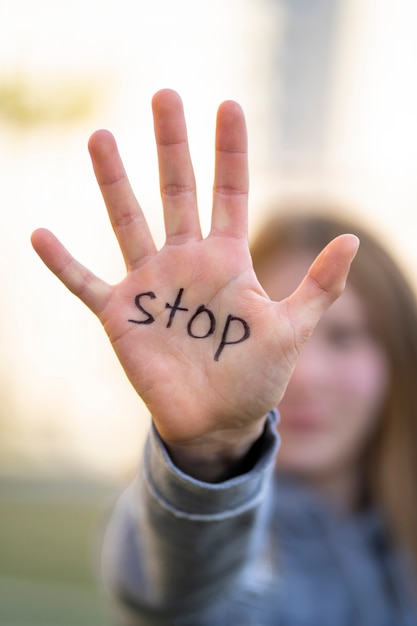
<point x="200" y="341"/>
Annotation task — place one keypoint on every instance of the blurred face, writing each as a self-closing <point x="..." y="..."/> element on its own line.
<point x="333" y="401"/>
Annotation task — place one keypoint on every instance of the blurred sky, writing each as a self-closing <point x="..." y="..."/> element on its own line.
<point x="70" y="67"/>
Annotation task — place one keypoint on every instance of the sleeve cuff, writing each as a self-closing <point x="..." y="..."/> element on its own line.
<point x="187" y="497"/>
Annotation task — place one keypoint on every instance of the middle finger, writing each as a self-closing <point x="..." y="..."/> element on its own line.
<point x="176" y="175"/>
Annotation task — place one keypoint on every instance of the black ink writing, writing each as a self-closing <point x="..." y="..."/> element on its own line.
<point x="201" y="324"/>
<point x="224" y="342"/>
<point x="150" y="318"/>
<point x="175" y="307"/>
<point x="202" y="309"/>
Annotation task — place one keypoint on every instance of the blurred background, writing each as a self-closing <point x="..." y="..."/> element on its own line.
<point x="329" y="90"/>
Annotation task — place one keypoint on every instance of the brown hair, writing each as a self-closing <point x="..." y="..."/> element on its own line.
<point x="390" y="477"/>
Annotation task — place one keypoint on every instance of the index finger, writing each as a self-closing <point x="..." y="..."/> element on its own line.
<point x="231" y="180"/>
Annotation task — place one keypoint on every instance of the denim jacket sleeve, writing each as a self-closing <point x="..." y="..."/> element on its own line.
<point x="175" y="546"/>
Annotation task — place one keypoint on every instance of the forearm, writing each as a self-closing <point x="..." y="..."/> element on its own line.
<point x="176" y="543"/>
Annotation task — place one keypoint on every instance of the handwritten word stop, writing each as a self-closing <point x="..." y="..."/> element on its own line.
<point x="200" y="325"/>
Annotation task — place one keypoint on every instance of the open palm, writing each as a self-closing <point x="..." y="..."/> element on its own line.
<point x="194" y="331"/>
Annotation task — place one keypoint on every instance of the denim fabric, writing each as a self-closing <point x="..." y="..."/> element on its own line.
<point x="257" y="550"/>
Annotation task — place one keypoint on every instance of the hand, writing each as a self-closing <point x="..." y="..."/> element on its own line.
<point x="200" y="341"/>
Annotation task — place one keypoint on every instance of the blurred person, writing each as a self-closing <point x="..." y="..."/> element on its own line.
<point x="217" y="528"/>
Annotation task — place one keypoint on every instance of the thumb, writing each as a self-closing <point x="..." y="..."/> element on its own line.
<point x="322" y="285"/>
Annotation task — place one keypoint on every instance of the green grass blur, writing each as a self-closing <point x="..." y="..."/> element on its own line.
<point x="50" y="534"/>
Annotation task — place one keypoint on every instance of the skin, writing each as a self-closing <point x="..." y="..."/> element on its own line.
<point x="208" y="412"/>
<point x="333" y="401"/>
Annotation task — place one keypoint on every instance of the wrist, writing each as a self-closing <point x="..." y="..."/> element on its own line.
<point x="220" y="455"/>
